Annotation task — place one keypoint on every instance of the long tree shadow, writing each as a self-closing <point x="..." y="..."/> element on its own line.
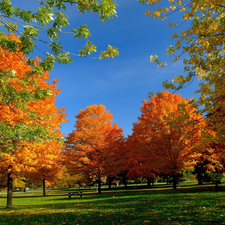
<point x="184" y="207"/>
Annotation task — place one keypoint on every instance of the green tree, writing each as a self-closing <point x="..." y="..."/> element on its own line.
<point x="50" y="18"/>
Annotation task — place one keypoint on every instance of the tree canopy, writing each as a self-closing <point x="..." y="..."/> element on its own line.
<point x="165" y="139"/>
<point x="95" y="147"/>
<point x="28" y="116"/>
<point x="201" y="46"/>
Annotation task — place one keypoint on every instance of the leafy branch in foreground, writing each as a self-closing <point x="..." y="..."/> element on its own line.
<point x="49" y="15"/>
<point x="202" y="47"/>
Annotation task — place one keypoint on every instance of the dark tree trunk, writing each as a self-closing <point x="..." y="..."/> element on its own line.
<point x="153" y="180"/>
<point x="99" y="186"/>
<point x="174" y="181"/>
<point x="9" y="191"/>
<point x="110" y="183"/>
<point x="125" y="181"/>
<point x="216" y="185"/>
<point x="44" y="187"/>
<point x="200" y="179"/>
<point x="148" y="182"/>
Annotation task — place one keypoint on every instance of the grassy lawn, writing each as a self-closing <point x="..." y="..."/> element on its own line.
<point x="93" y="189"/>
<point x="182" y="206"/>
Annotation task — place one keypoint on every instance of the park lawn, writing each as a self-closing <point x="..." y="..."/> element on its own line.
<point x="93" y="189"/>
<point x="182" y="206"/>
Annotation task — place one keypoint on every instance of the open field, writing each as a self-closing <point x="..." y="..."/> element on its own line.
<point x="183" y="206"/>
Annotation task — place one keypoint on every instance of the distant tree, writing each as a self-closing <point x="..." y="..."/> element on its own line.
<point x="47" y="164"/>
<point x="166" y="136"/>
<point x="209" y="163"/>
<point x="95" y="147"/>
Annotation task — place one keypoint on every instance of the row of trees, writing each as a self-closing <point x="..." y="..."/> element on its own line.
<point x="169" y="137"/>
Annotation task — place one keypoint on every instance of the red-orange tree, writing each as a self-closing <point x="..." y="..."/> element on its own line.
<point x="28" y="113"/>
<point x="138" y="161"/>
<point x="167" y="137"/>
<point x="95" y="146"/>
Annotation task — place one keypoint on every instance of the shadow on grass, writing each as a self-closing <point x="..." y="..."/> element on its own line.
<point x="183" y="206"/>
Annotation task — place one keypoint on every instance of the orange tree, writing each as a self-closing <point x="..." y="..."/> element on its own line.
<point x="46" y="164"/>
<point x="137" y="165"/>
<point x="166" y="137"/>
<point x="210" y="163"/>
<point x="28" y="113"/>
<point x="95" y="146"/>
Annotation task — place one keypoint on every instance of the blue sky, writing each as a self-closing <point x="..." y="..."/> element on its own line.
<point x="122" y="83"/>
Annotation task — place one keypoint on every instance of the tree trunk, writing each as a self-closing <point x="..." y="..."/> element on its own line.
<point x="99" y="185"/>
<point x="110" y="183"/>
<point x="9" y="191"/>
<point x="125" y="181"/>
<point x="153" y="180"/>
<point x="216" y="184"/>
<point x="200" y="179"/>
<point x="174" y="181"/>
<point x="148" y="182"/>
<point x="44" y="187"/>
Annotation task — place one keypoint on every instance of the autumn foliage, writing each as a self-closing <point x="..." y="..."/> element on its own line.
<point x="29" y="119"/>
<point x="166" y="139"/>
<point x="95" y="146"/>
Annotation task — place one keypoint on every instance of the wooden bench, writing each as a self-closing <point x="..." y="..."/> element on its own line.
<point x="74" y="193"/>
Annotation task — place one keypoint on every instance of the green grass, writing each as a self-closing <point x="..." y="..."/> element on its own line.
<point x="182" y="206"/>
<point x="104" y="188"/>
